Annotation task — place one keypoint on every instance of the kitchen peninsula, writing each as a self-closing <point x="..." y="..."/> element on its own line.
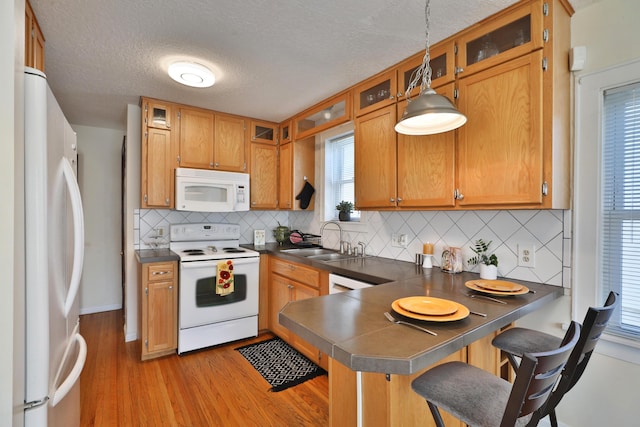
<point x="373" y="361"/>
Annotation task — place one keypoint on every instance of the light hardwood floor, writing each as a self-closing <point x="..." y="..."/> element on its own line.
<point x="212" y="387"/>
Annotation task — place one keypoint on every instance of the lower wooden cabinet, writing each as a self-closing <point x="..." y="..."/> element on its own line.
<point x="158" y="311"/>
<point x="289" y="281"/>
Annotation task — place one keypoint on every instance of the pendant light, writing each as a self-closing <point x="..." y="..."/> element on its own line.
<point x="429" y="113"/>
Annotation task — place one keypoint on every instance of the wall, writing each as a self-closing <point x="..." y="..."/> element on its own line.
<point x="132" y="202"/>
<point x="606" y="394"/>
<point x="99" y="178"/>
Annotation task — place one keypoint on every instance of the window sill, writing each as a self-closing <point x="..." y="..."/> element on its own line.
<point x="619" y="348"/>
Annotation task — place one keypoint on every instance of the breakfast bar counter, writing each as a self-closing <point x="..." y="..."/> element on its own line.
<point x="372" y="361"/>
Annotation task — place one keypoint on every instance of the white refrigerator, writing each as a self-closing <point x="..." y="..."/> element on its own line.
<point x="55" y="350"/>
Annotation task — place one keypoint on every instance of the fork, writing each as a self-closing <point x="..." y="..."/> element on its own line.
<point x="486" y="297"/>
<point x="402" y="322"/>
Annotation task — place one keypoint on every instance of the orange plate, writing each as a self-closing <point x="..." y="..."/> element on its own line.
<point x="498" y="285"/>
<point x="428" y="306"/>
<point x="472" y="284"/>
<point x="461" y="313"/>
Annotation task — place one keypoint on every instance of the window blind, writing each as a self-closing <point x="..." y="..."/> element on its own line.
<point x="620" y="216"/>
<point x="342" y="169"/>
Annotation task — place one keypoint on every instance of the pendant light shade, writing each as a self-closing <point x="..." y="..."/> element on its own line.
<point x="429" y="113"/>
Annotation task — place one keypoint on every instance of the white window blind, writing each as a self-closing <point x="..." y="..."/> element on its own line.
<point x="342" y="170"/>
<point x="621" y="206"/>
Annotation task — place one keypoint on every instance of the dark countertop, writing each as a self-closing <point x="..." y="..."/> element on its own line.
<point x="369" y="269"/>
<point x="351" y="327"/>
<point x="145" y="256"/>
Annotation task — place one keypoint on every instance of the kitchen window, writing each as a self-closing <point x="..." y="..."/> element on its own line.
<point x="339" y="167"/>
<point x="606" y="217"/>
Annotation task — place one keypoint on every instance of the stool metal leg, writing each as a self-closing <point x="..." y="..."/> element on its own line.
<point x="436" y="414"/>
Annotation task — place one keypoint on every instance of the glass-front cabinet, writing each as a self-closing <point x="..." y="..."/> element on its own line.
<point x="286" y="132"/>
<point x="442" y="63"/>
<point x="158" y="114"/>
<point x="376" y="92"/>
<point x="264" y="132"/>
<point x="513" y="34"/>
<point x="332" y="112"/>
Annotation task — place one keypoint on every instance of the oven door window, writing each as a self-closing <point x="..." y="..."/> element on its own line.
<point x="206" y="291"/>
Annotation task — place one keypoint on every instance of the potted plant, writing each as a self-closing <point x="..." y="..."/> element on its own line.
<point x="488" y="262"/>
<point x="344" y="210"/>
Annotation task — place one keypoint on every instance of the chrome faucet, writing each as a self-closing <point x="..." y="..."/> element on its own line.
<point x="339" y="228"/>
<point x="363" y="251"/>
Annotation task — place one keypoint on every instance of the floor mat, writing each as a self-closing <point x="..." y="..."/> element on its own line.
<point x="279" y="363"/>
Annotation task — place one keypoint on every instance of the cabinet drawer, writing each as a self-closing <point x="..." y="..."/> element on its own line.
<point x="160" y="272"/>
<point x="296" y="272"/>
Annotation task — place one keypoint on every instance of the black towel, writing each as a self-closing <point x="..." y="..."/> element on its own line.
<point x="305" y="195"/>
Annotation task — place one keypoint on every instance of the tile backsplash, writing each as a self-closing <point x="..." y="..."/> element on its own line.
<point x="549" y="231"/>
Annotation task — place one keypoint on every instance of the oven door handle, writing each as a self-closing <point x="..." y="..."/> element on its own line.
<point x="214" y="262"/>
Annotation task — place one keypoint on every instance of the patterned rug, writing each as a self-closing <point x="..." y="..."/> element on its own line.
<point x="280" y="364"/>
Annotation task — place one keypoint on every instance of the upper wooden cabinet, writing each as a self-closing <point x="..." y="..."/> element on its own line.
<point x="426" y="166"/>
<point x="501" y="146"/>
<point x="196" y="138"/>
<point x="402" y="171"/>
<point x="33" y="40"/>
<point x="158" y="157"/>
<point x="264" y="176"/>
<point x="332" y="112"/>
<point x="375" y="159"/>
<point x="442" y="63"/>
<point x="264" y="132"/>
<point x="211" y="140"/>
<point x="157" y="114"/>
<point x="508" y="34"/>
<point x="512" y="83"/>
<point x="297" y="167"/>
<point x="286" y="131"/>
<point x="514" y="150"/>
<point x="375" y="92"/>
<point x="230" y="143"/>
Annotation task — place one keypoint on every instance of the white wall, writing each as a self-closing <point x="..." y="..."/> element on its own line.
<point x="132" y="203"/>
<point x="99" y="173"/>
<point x="607" y="392"/>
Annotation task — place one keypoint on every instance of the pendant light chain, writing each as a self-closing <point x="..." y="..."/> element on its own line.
<point x="422" y="74"/>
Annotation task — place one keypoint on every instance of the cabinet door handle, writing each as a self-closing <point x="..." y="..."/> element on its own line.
<point x="392" y="200"/>
<point x="171" y="287"/>
<point x="167" y="201"/>
<point x="458" y="195"/>
<point x="159" y="273"/>
<point x="399" y="199"/>
<point x="459" y="70"/>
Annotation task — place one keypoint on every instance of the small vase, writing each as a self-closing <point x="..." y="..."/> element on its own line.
<point x="344" y="216"/>
<point x="488" y="272"/>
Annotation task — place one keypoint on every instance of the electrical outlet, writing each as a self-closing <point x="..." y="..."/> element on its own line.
<point x="526" y="255"/>
<point x="399" y="240"/>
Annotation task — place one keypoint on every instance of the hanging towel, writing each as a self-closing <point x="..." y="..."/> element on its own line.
<point x="305" y="195"/>
<point x="225" y="278"/>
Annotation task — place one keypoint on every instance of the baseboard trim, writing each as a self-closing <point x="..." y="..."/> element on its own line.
<point x="91" y="310"/>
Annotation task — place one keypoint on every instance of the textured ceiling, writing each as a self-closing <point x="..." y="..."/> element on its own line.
<point x="272" y="58"/>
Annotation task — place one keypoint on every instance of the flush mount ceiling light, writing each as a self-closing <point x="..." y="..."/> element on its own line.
<point x="191" y="74"/>
<point x="429" y="113"/>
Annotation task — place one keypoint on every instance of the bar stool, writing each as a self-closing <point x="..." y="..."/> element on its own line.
<point x="480" y="398"/>
<point x="518" y="341"/>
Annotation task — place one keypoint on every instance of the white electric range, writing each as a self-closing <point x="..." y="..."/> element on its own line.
<point x="206" y="318"/>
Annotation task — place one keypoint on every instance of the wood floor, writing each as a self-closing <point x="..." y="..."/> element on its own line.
<point x="213" y="387"/>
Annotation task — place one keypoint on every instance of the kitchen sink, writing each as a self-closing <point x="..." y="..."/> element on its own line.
<point x="308" y="252"/>
<point x="334" y="256"/>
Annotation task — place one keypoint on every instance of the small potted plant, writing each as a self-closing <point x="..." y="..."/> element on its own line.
<point x="488" y="262"/>
<point x="344" y="210"/>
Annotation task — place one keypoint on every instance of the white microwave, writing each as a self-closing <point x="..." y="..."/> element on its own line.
<point x="201" y="190"/>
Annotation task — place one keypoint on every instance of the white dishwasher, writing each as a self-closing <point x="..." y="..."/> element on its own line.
<point x="339" y="283"/>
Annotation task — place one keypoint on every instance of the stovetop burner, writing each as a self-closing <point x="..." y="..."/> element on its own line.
<point x="233" y="250"/>
<point x="210" y="241"/>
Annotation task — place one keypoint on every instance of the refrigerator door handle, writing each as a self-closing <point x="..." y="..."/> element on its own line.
<point x="58" y="394"/>
<point x="78" y="234"/>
